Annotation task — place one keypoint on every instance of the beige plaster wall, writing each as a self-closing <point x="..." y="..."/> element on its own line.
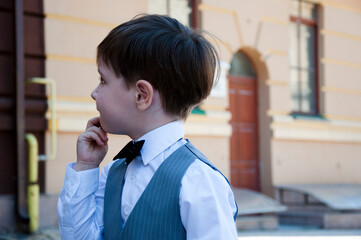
<point x="106" y="11"/>
<point x="74" y="79"/>
<point x="213" y="148"/>
<point x="341" y="61"/>
<point x="297" y="162"/>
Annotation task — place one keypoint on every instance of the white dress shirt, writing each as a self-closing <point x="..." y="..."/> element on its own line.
<point x="206" y="200"/>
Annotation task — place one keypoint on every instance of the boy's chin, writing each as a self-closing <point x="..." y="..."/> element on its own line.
<point x="115" y="132"/>
<point x="103" y="126"/>
<point x="109" y="130"/>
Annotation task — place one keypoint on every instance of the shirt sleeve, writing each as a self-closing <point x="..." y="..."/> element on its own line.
<point x="80" y="203"/>
<point x="207" y="204"/>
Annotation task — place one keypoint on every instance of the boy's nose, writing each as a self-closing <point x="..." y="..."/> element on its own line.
<point x="94" y="94"/>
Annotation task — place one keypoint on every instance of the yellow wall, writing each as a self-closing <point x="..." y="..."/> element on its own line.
<point x="315" y="162"/>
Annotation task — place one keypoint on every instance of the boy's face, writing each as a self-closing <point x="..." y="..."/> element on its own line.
<point x="115" y="101"/>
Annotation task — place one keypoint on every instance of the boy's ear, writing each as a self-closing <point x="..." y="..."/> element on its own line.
<point x="143" y="94"/>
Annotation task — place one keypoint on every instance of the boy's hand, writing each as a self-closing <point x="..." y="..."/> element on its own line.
<point x="92" y="146"/>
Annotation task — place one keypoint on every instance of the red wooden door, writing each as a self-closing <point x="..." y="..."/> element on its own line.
<point x="244" y="139"/>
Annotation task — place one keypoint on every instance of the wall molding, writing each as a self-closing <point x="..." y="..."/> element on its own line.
<point x="68" y="58"/>
<point x="313" y="141"/>
<point x="72" y="19"/>
<point x="272" y="82"/>
<point x="340" y="90"/>
<point x="340" y="6"/>
<point x="340" y="34"/>
<point x="347" y="118"/>
<point x="342" y="117"/>
<point x="272" y="20"/>
<point x="317" y="131"/>
<point x="340" y="63"/>
<point x="233" y="13"/>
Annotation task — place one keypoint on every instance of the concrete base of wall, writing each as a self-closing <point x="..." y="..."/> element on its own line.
<point x="328" y="219"/>
<point x="307" y="211"/>
<point x="342" y="220"/>
<point x="303" y="218"/>
<point x="257" y="223"/>
<point x="47" y="212"/>
<point x="7" y="213"/>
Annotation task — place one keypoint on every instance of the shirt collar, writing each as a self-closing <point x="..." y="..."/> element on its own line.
<point x="159" y="139"/>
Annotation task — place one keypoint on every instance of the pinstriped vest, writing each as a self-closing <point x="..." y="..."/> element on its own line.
<point x="156" y="215"/>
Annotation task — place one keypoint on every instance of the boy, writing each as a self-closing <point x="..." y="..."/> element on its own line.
<point x="153" y="71"/>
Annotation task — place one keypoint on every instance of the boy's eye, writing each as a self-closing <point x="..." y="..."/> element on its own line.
<point x="101" y="80"/>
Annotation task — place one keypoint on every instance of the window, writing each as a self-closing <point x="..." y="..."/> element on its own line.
<point x="241" y="66"/>
<point x="303" y="57"/>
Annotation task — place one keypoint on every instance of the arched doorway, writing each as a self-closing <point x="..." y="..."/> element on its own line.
<point x="243" y="106"/>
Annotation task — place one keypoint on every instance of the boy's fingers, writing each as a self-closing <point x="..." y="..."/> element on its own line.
<point x="92" y="136"/>
<point x="99" y="131"/>
<point x="95" y="121"/>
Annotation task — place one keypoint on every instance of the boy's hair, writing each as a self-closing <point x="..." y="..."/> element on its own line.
<point x="178" y="61"/>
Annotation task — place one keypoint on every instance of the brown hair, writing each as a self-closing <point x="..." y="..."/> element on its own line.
<point x="178" y="61"/>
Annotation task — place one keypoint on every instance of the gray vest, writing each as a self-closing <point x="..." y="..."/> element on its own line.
<point x="156" y="215"/>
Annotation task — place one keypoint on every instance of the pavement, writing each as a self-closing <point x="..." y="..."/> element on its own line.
<point x="283" y="233"/>
<point x="286" y="232"/>
<point x="301" y="237"/>
<point x="42" y="234"/>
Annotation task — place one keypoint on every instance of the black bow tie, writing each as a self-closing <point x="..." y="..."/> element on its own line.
<point x="130" y="151"/>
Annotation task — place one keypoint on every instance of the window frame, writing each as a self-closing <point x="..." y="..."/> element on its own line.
<point x="314" y="24"/>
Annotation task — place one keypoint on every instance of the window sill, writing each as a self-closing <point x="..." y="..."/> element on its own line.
<point x="304" y="116"/>
<point x="199" y="111"/>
